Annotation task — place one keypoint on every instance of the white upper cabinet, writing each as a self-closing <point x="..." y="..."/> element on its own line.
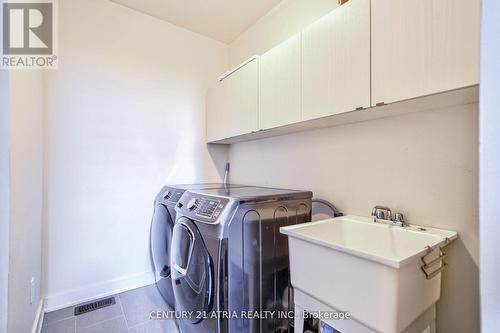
<point x="232" y="105"/>
<point x="421" y="47"/>
<point x="364" y="53"/>
<point x="279" y="85"/>
<point x="336" y="61"/>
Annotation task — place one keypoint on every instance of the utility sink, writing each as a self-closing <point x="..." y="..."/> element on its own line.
<point x="372" y="270"/>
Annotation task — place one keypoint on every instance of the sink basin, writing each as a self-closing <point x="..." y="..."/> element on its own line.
<point x="371" y="270"/>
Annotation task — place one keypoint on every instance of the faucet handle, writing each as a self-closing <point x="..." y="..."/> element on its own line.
<point x="398" y="217"/>
<point x="381" y="212"/>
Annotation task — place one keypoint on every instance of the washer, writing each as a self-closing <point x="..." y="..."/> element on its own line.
<point x="161" y="232"/>
<point x="228" y="257"/>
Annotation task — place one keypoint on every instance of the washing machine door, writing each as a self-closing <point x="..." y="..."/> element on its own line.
<point x="192" y="274"/>
<point x="161" y="240"/>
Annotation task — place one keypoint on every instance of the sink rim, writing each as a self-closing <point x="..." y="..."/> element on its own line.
<point x="441" y="238"/>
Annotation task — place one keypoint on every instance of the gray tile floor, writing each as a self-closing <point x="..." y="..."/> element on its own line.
<point x="130" y="314"/>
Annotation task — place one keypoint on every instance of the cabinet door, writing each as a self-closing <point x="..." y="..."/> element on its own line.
<point x="232" y="105"/>
<point x="279" y="84"/>
<point x="421" y="47"/>
<point x="336" y="61"/>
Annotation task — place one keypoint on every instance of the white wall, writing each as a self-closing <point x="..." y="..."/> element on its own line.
<point x="490" y="166"/>
<point x="424" y="164"/>
<point x="26" y="197"/>
<point x="4" y="197"/>
<point x="125" y="116"/>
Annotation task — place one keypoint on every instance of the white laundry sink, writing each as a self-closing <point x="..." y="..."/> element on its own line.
<point x="369" y="269"/>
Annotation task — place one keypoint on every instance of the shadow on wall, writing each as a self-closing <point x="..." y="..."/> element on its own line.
<point x="219" y="156"/>
<point x="462" y="274"/>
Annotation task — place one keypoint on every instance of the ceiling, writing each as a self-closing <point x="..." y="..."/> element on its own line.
<point x="223" y="20"/>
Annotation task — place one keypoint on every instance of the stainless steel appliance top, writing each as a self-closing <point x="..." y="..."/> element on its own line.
<point x="203" y="186"/>
<point x="254" y="193"/>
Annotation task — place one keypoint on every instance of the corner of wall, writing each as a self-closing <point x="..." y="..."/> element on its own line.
<point x="44" y="250"/>
<point x="4" y="196"/>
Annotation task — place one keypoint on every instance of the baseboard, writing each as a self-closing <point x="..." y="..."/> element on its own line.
<point x="98" y="290"/>
<point x="37" y="323"/>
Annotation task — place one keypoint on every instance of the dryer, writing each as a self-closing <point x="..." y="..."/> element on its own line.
<point x="161" y="232"/>
<point x="229" y="258"/>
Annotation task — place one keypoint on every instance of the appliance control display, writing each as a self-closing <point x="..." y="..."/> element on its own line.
<point x="206" y="207"/>
<point x="203" y="208"/>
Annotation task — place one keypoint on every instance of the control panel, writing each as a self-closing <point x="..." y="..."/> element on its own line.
<point x="203" y="208"/>
<point x="171" y="195"/>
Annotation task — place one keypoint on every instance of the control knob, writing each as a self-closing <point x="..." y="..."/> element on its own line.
<point x="192" y="204"/>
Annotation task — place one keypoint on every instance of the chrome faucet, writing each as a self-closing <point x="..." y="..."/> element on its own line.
<point x="383" y="214"/>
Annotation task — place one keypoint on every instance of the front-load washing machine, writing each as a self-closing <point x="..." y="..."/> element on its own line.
<point x="161" y="232"/>
<point x="230" y="262"/>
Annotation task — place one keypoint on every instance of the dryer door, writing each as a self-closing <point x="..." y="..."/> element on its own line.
<point x="161" y="239"/>
<point x="192" y="272"/>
